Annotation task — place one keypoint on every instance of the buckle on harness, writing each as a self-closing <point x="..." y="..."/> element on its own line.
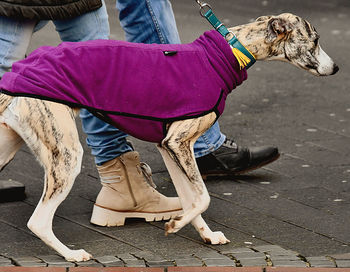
<point x="229" y="36"/>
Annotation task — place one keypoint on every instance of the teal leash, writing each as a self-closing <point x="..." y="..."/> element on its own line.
<point x="207" y="12"/>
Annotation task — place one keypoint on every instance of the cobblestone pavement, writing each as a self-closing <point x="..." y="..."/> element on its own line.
<point x="169" y="269"/>
<point x="293" y="213"/>
<point x="258" y="256"/>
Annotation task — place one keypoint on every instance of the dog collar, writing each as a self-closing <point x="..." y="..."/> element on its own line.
<point x="244" y="56"/>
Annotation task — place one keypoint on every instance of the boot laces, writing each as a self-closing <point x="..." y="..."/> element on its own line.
<point x="147" y="173"/>
<point x="229" y="143"/>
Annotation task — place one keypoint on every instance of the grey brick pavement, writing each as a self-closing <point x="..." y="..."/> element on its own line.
<point x="292" y="212"/>
<point x="263" y="256"/>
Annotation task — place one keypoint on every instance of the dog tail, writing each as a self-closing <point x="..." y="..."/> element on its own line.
<point x="5" y="100"/>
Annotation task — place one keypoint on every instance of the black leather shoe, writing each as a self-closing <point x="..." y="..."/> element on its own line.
<point x="230" y="159"/>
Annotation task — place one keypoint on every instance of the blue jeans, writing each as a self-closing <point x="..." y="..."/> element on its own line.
<point x="147" y="21"/>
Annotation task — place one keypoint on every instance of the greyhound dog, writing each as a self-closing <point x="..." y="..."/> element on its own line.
<point x="49" y="129"/>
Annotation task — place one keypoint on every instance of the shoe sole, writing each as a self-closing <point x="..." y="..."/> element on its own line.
<point x="240" y="172"/>
<point x="106" y="217"/>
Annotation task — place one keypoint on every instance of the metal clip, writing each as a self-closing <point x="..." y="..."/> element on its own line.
<point x="202" y="6"/>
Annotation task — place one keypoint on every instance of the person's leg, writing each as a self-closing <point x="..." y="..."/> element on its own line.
<point x="153" y="21"/>
<point x="15" y="36"/>
<point x="125" y="189"/>
<point x="106" y="142"/>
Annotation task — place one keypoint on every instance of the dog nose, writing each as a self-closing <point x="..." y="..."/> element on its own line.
<point x="335" y="69"/>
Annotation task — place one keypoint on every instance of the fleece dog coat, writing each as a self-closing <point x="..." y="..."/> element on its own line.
<point x="139" y="88"/>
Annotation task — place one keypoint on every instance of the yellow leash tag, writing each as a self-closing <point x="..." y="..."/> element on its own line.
<point x="242" y="59"/>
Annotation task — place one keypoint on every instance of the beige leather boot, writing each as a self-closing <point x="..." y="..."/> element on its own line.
<point x="126" y="193"/>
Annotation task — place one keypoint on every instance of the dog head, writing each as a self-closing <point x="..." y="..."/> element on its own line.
<point x="293" y="39"/>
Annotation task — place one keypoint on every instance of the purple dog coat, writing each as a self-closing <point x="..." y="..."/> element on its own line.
<point x="139" y="88"/>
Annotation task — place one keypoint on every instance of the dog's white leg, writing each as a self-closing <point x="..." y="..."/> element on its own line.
<point x="208" y="236"/>
<point x="10" y="142"/>
<point x="194" y="197"/>
<point x="178" y="155"/>
<point x="50" y="132"/>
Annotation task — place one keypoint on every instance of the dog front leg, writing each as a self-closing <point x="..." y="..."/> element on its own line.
<point x="194" y="198"/>
<point x="178" y="155"/>
<point x="208" y="236"/>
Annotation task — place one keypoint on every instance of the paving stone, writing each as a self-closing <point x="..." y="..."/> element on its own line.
<point x="32" y="269"/>
<point x="219" y="262"/>
<point x="90" y="263"/>
<point x="109" y="261"/>
<point x="7" y="264"/>
<point x="269" y="248"/>
<point x="212" y="258"/>
<point x="274" y="249"/>
<point x="164" y="263"/>
<point x="237" y="250"/>
<point x="215" y="269"/>
<point x="29" y="262"/>
<point x="131" y="261"/>
<point x="5" y="261"/>
<point x="55" y="260"/>
<point x="345" y="256"/>
<point x="24" y="264"/>
<point x="188" y="262"/>
<point x="154" y="260"/>
<point x="249" y="255"/>
<point x="148" y="255"/>
<point x="251" y="258"/>
<point x="320" y="261"/>
<point x="288" y="263"/>
<point x="322" y="264"/>
<point x="135" y="263"/>
<point x="209" y="255"/>
<point x="126" y="256"/>
<point x="307" y="269"/>
<point x="288" y="257"/>
<point x="253" y="262"/>
<point x="115" y="269"/>
<point x="343" y="263"/>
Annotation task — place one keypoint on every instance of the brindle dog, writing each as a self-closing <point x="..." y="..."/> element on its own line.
<point x="50" y="132"/>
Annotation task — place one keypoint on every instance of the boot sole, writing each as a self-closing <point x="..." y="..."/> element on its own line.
<point x="106" y="217"/>
<point x="239" y="172"/>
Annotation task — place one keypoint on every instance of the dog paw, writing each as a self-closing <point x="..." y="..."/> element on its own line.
<point x="216" y="238"/>
<point x="173" y="225"/>
<point x="79" y="255"/>
<point x="169" y="228"/>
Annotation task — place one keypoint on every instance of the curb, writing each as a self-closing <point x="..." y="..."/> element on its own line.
<point x="265" y="257"/>
<point x="170" y="269"/>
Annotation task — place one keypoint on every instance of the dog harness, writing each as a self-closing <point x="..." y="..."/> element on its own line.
<point x="138" y="88"/>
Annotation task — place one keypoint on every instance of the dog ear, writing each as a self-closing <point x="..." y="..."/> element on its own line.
<point x="263" y="18"/>
<point x="277" y="27"/>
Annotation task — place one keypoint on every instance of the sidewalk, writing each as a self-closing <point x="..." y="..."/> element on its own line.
<point x="292" y="215"/>
<point x="172" y="269"/>
<point x="268" y="256"/>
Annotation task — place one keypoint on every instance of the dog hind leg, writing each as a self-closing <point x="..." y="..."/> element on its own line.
<point x="178" y="155"/>
<point x="50" y="132"/>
